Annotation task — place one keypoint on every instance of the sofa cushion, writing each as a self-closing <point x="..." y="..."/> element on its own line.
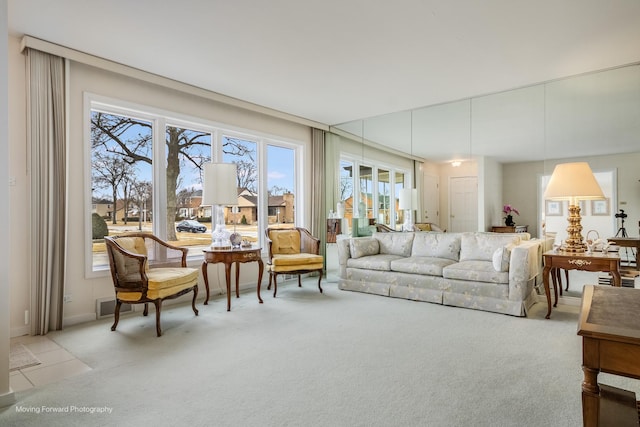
<point x="481" y="246"/>
<point x="438" y="245"/>
<point x="502" y="257"/>
<point x="365" y="246"/>
<point x="373" y="262"/>
<point x="395" y="243"/>
<point x="429" y="266"/>
<point x="477" y="271"/>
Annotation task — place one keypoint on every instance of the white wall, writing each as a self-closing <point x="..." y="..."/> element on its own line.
<point x="85" y="291"/>
<point x="6" y="395"/>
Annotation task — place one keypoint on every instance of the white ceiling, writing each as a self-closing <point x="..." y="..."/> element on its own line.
<point x="334" y="61"/>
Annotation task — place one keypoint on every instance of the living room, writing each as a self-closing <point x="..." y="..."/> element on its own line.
<point x="531" y="115"/>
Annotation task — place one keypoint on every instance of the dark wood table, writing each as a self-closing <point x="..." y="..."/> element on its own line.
<point x="597" y="261"/>
<point x="229" y="257"/>
<point x="628" y="242"/>
<point x="609" y="324"/>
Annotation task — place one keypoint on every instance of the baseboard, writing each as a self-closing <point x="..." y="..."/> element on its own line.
<point x="20" y="331"/>
<point x="7" y="399"/>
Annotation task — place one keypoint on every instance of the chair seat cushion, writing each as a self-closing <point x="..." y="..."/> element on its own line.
<point x="296" y="259"/>
<point x="296" y="262"/>
<point x="164" y="282"/>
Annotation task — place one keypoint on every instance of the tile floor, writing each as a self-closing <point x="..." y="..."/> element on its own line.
<point x="57" y="363"/>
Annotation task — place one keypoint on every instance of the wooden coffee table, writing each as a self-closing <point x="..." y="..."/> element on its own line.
<point x="229" y="257"/>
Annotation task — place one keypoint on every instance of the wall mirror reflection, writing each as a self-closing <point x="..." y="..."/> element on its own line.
<point x="508" y="143"/>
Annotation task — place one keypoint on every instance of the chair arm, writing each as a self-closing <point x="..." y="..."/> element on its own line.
<point x="308" y="243"/>
<point x="167" y="245"/>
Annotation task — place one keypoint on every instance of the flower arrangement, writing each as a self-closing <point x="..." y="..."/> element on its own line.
<point x="509" y="210"/>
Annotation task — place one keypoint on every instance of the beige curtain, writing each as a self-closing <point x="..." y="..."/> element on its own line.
<point x="47" y="148"/>
<point x="318" y="225"/>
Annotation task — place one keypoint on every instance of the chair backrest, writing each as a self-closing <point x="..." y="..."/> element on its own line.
<point x="284" y="241"/>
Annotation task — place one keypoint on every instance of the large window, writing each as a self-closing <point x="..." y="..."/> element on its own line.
<point x="146" y="175"/>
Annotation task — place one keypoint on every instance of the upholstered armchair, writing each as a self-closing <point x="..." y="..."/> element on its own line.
<point x="293" y="251"/>
<point x="144" y="270"/>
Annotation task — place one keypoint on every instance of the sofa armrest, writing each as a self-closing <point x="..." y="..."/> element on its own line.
<point x="524" y="266"/>
<point x="344" y="251"/>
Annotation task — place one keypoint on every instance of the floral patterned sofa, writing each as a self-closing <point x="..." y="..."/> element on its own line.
<point x="484" y="271"/>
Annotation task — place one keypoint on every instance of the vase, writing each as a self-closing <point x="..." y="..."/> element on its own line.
<point x="340" y="209"/>
<point x="508" y="221"/>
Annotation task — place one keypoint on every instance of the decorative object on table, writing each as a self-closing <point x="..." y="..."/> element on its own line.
<point x="509" y="210"/>
<point x="340" y="209"/>
<point x="573" y="182"/>
<point x="218" y="191"/>
<point x="235" y="238"/>
<point x="408" y="202"/>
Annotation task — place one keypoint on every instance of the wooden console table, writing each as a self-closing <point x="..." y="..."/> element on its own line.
<point x="597" y="261"/>
<point x="609" y="324"/>
<point x="510" y="229"/>
<point x="229" y="257"/>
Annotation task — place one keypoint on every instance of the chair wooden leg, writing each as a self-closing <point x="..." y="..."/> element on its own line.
<point x="116" y="315"/>
<point x="319" y="280"/>
<point x="275" y="283"/>
<point x="146" y="309"/>
<point x="299" y="280"/>
<point x="269" y="286"/>
<point x="193" y="302"/>
<point x="158" y="304"/>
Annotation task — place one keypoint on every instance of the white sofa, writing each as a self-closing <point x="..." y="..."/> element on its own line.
<point x="484" y="271"/>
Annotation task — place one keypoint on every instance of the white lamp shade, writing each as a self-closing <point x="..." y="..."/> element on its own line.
<point x="573" y="181"/>
<point x="219" y="186"/>
<point x="408" y="199"/>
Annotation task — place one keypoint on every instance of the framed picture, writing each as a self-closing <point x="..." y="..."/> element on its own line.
<point x="553" y="207"/>
<point x="600" y="207"/>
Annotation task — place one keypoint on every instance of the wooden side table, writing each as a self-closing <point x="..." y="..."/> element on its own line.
<point x="610" y="328"/>
<point x="509" y="229"/>
<point x="606" y="262"/>
<point x="229" y="257"/>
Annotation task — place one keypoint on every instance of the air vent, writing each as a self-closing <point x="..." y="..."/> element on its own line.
<point x="106" y="307"/>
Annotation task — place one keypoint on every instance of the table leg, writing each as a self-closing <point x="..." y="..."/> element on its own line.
<point x="237" y="279"/>
<point x="227" y="274"/>
<point x="547" y="292"/>
<point x="260" y="271"/>
<point x="590" y="397"/>
<point x="206" y="281"/>
<point x="617" y="281"/>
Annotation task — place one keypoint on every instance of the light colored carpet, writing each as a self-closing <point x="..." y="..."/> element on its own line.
<point x="310" y="359"/>
<point x="20" y="357"/>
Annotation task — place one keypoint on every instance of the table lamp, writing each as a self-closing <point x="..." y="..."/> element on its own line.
<point x="219" y="190"/>
<point x="573" y="182"/>
<point x="408" y="202"/>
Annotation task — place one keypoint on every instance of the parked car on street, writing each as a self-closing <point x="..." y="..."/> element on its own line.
<point x="191" y="226"/>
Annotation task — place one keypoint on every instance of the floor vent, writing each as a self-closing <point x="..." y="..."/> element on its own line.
<point x="106" y="307"/>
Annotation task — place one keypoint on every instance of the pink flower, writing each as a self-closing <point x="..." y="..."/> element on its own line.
<point x="510" y="210"/>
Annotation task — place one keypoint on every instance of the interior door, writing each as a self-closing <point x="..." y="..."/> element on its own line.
<point x="431" y="200"/>
<point x="463" y="210"/>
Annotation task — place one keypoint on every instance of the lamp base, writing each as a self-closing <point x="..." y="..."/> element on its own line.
<point x="408" y="224"/>
<point x="220" y="236"/>
<point x="575" y="242"/>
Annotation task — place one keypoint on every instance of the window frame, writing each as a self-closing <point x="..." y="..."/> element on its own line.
<point x="392" y="169"/>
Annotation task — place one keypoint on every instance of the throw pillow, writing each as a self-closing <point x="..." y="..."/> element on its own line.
<point x="364" y="247"/>
<point x="501" y="258"/>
